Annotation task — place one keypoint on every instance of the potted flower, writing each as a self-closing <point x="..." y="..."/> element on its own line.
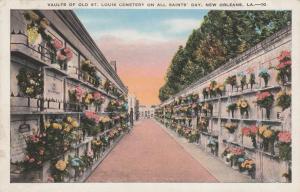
<point x="243" y="105"/>
<point x="252" y="80"/>
<point x="212" y="89"/>
<point x="30" y="82"/>
<point x="59" y="170"/>
<point x="251" y="132"/>
<point x="207" y="107"/>
<point x="231" y="108"/>
<point x="205" y="92"/>
<point x="283" y="100"/>
<point x="264" y="74"/>
<point x="265" y="100"/>
<point x="195" y="97"/>
<point x="231" y="80"/>
<point x="220" y="88"/>
<point x="249" y="165"/>
<point x="268" y="136"/>
<point x="203" y="124"/>
<point x="284" y="67"/>
<point x="194" y="136"/>
<point x="231" y="127"/>
<point x="243" y="80"/>
<point x="284" y="144"/>
<point x="98" y="100"/>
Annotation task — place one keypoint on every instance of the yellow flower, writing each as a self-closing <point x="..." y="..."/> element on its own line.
<point x="69" y="119"/>
<point x="244" y="104"/>
<point x="261" y="129"/>
<point x="74" y="123"/>
<point x="280" y="93"/>
<point x="61" y="165"/>
<point x="32" y="34"/>
<point x="56" y="126"/>
<point x="267" y="133"/>
<point x="67" y="128"/>
<point x="87" y="101"/>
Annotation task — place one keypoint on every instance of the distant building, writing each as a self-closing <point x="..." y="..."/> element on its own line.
<point x="146" y="111"/>
<point x="133" y="104"/>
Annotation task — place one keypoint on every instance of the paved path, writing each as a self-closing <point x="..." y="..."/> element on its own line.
<point x="149" y="154"/>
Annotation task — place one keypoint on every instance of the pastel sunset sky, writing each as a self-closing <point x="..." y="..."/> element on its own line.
<point x="142" y="42"/>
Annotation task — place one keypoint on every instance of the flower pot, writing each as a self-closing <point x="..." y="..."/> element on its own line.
<point x="232" y="113"/>
<point x="266" y="80"/>
<point x="268" y="113"/>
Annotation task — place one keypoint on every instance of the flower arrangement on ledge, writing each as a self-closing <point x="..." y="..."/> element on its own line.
<point x="53" y="141"/>
<point x="243" y="105"/>
<point x="231" y="80"/>
<point x="232" y="154"/>
<point x="243" y="80"/>
<point x="265" y="100"/>
<point x="264" y="74"/>
<point x="207" y="108"/>
<point x="284" y="144"/>
<point x="205" y="92"/>
<point x="252" y="80"/>
<point x="284" y="67"/>
<point x="268" y="136"/>
<point x="89" y="70"/>
<point x="98" y="99"/>
<point x="248" y="165"/>
<point x="92" y="123"/>
<point x="220" y="88"/>
<point x="283" y="100"/>
<point x="30" y="82"/>
<point x="212" y="88"/>
<point x="77" y="94"/>
<point x="36" y="31"/>
<point x="203" y="124"/>
<point x="59" y="171"/>
<point x="251" y="132"/>
<point x="231" y="108"/>
<point x="231" y="127"/>
<point x="194" y="136"/>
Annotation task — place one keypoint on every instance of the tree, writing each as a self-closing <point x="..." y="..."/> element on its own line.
<point x="222" y="36"/>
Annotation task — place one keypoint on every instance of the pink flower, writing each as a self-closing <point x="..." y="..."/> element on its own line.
<point x="50" y="179"/>
<point x="31" y="160"/>
<point x="27" y="158"/>
<point x="283" y="55"/>
<point x="253" y="129"/>
<point x="90" y="153"/>
<point x="68" y="53"/>
<point x="79" y="92"/>
<point x="57" y="44"/>
<point x="284" y="137"/>
<point x="60" y="56"/>
<point x="246" y="131"/>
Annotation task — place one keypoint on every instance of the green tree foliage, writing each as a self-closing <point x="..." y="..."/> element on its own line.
<point x="221" y="36"/>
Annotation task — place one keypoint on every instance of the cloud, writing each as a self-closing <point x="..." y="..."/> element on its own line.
<point x="181" y="25"/>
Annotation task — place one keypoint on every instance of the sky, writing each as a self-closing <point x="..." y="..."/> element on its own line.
<point x="143" y="42"/>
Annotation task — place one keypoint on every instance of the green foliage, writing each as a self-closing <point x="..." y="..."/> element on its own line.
<point x="221" y="36"/>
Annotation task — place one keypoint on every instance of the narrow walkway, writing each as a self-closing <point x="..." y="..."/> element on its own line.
<point x="149" y="154"/>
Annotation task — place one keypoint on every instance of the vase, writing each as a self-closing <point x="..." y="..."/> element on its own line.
<point x="268" y="113"/>
<point x="232" y="113"/>
<point x="266" y="80"/>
